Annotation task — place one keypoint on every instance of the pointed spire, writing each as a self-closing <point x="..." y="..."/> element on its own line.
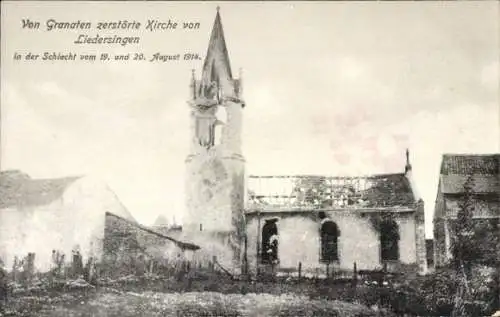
<point x="408" y="165"/>
<point x="217" y="67"/>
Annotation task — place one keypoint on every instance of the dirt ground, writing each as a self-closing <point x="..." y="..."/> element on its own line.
<point x="113" y="303"/>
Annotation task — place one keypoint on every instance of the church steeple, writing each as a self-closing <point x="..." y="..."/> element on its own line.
<point x="216" y="99"/>
<point x="217" y="68"/>
<point x="215" y="178"/>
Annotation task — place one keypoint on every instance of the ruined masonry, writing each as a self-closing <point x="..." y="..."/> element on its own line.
<point x="323" y="223"/>
<point x="215" y="164"/>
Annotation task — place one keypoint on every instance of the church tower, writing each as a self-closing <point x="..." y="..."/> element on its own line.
<point x="215" y="164"/>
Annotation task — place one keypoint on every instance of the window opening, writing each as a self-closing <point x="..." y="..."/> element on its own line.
<point x="329" y="234"/>
<point x="269" y="251"/>
<point x="389" y="241"/>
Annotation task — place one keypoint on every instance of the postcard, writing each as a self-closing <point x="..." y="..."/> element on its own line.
<point x="249" y="158"/>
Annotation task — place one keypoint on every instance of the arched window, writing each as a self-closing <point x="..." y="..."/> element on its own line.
<point x="269" y="252"/>
<point x="329" y="233"/>
<point x="329" y="241"/>
<point x="389" y="241"/>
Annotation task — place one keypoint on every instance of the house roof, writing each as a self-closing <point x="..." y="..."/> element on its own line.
<point x="18" y="189"/>
<point x="469" y="164"/>
<point x="483" y="171"/>
<point x="323" y="192"/>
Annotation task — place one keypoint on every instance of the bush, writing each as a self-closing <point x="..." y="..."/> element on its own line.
<point x="430" y="295"/>
<point x="434" y="294"/>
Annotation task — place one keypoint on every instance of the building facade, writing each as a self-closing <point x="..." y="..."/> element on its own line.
<point x="481" y="173"/>
<point x="280" y="221"/>
<point x="373" y="222"/>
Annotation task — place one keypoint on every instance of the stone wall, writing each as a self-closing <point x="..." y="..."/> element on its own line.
<point x="359" y="242"/>
<point x="214" y="192"/>
<point x="127" y="245"/>
<point x="215" y="210"/>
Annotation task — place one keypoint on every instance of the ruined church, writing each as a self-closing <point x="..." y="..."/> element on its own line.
<point x="250" y="223"/>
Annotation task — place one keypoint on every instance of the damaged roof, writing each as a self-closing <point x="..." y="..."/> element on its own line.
<point x="392" y="190"/>
<point x="386" y="190"/>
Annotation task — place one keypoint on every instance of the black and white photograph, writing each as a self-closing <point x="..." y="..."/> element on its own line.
<point x="204" y="158"/>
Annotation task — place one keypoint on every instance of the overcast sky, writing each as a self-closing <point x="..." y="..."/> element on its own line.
<point x="331" y="88"/>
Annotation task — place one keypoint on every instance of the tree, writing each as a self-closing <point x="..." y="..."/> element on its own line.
<point x="462" y="246"/>
<point x="475" y="242"/>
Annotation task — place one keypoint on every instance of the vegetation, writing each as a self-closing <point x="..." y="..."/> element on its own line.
<point x="209" y="295"/>
<point x="474" y="244"/>
<point x="468" y="286"/>
<point x="217" y="294"/>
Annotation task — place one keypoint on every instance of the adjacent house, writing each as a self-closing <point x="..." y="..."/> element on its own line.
<point x="70" y="214"/>
<point x="481" y="172"/>
<point x="62" y="214"/>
